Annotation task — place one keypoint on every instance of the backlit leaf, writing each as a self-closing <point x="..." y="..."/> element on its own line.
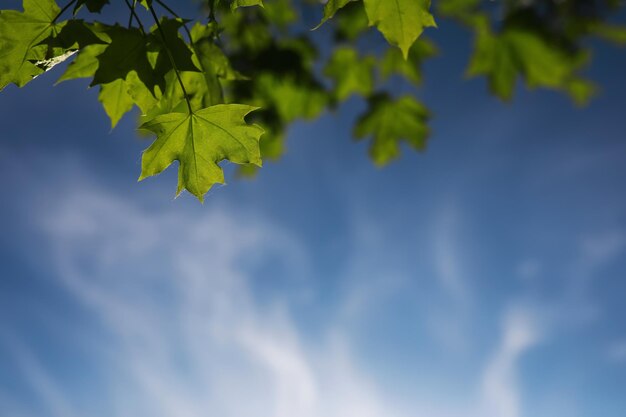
<point x="21" y="34"/>
<point x="199" y="141"/>
<point x="389" y="122"/>
<point x="116" y="100"/>
<point x="400" y="21"/>
<point x="351" y="73"/>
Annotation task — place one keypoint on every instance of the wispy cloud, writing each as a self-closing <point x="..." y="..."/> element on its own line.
<point x="499" y="381"/>
<point x="188" y="337"/>
<point x="38" y="378"/>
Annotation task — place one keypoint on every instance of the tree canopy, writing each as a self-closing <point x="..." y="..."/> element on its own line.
<point x="226" y="83"/>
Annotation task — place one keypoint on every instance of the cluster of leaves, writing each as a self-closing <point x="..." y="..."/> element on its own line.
<point x="542" y="42"/>
<point x="227" y="87"/>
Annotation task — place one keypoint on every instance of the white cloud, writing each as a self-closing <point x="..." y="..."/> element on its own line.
<point x="448" y="319"/>
<point x="499" y="381"/>
<point x="188" y="337"/>
<point x="42" y="385"/>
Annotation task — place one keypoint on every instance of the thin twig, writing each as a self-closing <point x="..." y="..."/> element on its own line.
<point x="130" y="18"/>
<point x="212" y="11"/>
<point x="173" y="13"/>
<point x="67" y="6"/>
<point x="169" y="55"/>
<point x="134" y="14"/>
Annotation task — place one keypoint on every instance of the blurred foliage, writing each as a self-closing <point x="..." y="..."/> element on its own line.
<point x="194" y="80"/>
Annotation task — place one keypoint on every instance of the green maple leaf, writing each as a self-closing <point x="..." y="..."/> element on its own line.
<point x="168" y="38"/>
<point x="199" y="141"/>
<point x="350" y="73"/>
<point x="518" y="51"/>
<point x="85" y="65"/>
<point x="76" y="34"/>
<point x="400" y="21"/>
<point x="21" y="37"/>
<point x="391" y="121"/>
<point x="116" y="100"/>
<point x="210" y="58"/>
<point x="127" y="52"/>
<point x="288" y="97"/>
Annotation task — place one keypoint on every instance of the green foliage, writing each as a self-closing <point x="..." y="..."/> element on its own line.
<point x="183" y="137"/>
<point x="400" y="21"/>
<point x="21" y="34"/>
<point x="389" y="122"/>
<point x="351" y="73"/>
<point x="194" y="81"/>
<point x="514" y="52"/>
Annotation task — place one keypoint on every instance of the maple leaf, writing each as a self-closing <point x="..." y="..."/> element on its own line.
<point x="165" y="39"/>
<point x="350" y="73"/>
<point x="390" y="121"/>
<point x="127" y="52"/>
<point x="21" y="49"/>
<point x="85" y="65"/>
<point x="199" y="141"/>
<point x="400" y="21"/>
<point x="518" y="51"/>
<point x="115" y="99"/>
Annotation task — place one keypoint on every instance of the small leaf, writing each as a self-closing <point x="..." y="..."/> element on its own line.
<point x="350" y="73"/>
<point x="520" y="51"/>
<point x="85" y="65"/>
<point x="178" y="49"/>
<point x="199" y="141"/>
<point x="400" y="21"/>
<point x="115" y="100"/>
<point x="127" y="52"/>
<point x="390" y="122"/>
<point x="75" y="34"/>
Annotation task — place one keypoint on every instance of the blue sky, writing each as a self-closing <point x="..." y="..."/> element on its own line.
<point x="483" y="277"/>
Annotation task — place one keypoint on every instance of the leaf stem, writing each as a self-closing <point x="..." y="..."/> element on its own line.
<point x="212" y="11"/>
<point x="173" y="13"/>
<point x="171" y="58"/>
<point x="130" y="18"/>
<point x="67" y="6"/>
<point x="134" y="14"/>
